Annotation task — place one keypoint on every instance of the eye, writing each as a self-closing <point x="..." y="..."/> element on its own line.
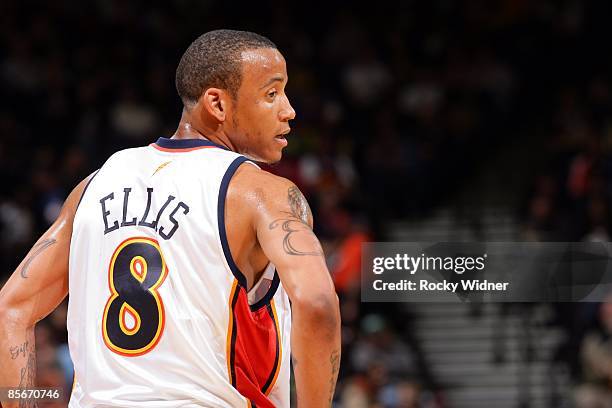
<point x="272" y="94"/>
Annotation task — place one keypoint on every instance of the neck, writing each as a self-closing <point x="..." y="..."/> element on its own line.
<point x="190" y="128"/>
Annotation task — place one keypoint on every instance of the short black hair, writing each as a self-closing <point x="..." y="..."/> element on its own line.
<point x="214" y="60"/>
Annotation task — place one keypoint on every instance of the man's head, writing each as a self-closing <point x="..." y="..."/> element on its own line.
<point x="233" y="82"/>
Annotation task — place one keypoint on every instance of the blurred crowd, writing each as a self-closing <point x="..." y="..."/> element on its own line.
<point x="569" y="196"/>
<point x="569" y="200"/>
<point x="397" y="108"/>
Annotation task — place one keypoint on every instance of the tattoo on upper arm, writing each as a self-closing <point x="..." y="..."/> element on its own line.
<point x="297" y="221"/>
<point x="334" y="359"/>
<point x="36" y="250"/>
<point x="298" y="204"/>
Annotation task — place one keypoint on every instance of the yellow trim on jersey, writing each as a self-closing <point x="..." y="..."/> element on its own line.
<point x="127" y="309"/>
<point x="142" y="274"/>
<point x="280" y="348"/>
<point x="230" y="328"/>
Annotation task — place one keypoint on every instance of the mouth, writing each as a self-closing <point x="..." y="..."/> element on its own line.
<point x="282" y="139"/>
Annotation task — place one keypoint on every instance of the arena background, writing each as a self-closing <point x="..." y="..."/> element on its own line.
<point x="425" y="121"/>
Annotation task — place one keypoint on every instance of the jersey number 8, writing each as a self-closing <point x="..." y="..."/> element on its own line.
<point x="133" y="319"/>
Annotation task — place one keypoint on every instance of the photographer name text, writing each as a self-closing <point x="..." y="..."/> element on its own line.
<point x="425" y="285"/>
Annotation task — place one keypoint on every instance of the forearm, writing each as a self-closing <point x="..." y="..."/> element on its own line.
<point x="17" y="357"/>
<point x="316" y="355"/>
<point x="283" y="222"/>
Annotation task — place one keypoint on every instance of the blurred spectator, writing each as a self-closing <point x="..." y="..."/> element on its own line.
<point x="595" y="391"/>
<point x="379" y="345"/>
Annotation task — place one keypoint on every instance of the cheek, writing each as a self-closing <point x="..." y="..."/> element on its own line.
<point x="262" y="124"/>
<point x="248" y="119"/>
<point x="258" y="123"/>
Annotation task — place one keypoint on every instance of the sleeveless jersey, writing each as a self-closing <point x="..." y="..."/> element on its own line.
<point x="159" y="314"/>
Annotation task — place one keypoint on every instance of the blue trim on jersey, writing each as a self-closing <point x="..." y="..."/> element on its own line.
<point x="264" y="301"/>
<point x="221" y="219"/>
<point x="242" y="281"/>
<point x="185" y="143"/>
<point x="85" y="189"/>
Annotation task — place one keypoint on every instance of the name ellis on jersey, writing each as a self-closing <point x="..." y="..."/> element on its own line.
<point x="165" y="222"/>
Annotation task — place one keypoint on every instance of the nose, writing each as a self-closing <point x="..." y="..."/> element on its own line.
<point x="287" y="112"/>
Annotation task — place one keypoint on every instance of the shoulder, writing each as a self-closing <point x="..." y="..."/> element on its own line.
<point x="125" y="156"/>
<point x="71" y="204"/>
<point x="253" y="179"/>
<point x="264" y="192"/>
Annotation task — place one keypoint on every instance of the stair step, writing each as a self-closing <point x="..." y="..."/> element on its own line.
<point x="494" y="394"/>
<point x="465" y="370"/>
<point x="459" y="345"/>
<point x="543" y="347"/>
<point x="480" y="356"/>
<point x="455" y="309"/>
<point x="451" y="323"/>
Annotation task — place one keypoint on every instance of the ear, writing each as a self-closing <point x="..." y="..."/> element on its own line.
<point x="215" y="103"/>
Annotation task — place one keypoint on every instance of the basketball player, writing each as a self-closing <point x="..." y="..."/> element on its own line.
<point x="181" y="258"/>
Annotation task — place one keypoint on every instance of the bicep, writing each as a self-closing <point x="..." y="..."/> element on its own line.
<point x="285" y="234"/>
<point x="40" y="282"/>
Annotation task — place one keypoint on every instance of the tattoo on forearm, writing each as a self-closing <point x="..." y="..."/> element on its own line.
<point x="334" y="359"/>
<point x="19" y="350"/>
<point x="296" y="222"/>
<point x="28" y="378"/>
<point x="36" y="250"/>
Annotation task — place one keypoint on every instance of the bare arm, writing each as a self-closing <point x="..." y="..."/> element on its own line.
<point x="283" y="224"/>
<point x="34" y="290"/>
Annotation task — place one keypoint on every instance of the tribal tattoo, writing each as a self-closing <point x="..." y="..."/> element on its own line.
<point x="36" y="250"/>
<point x="299" y="206"/>
<point x="296" y="222"/>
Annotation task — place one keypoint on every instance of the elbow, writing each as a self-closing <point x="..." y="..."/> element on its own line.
<point x="321" y="308"/>
<point x="4" y="309"/>
<point x="10" y="316"/>
<point x="6" y="314"/>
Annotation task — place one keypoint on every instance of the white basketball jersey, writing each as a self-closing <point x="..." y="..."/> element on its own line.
<point x="159" y="315"/>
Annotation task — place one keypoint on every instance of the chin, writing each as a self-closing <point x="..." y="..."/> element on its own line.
<point x="272" y="158"/>
<point x="273" y="162"/>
